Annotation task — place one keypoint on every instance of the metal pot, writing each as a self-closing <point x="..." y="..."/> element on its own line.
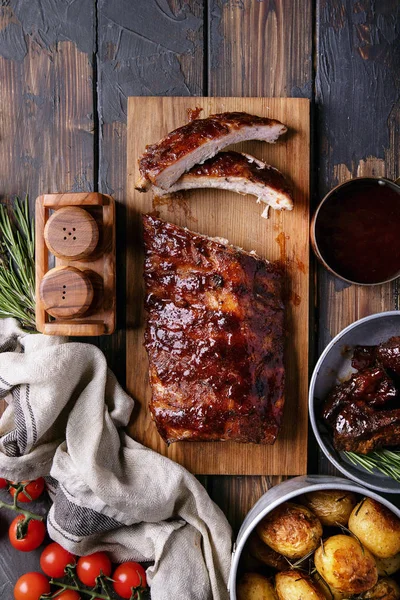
<point x="287" y="491"/>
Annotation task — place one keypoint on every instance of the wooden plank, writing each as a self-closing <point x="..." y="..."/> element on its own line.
<point x="46" y="98"/>
<point x="237" y="495"/>
<point x="143" y="48"/>
<point x="258" y="48"/>
<point x="225" y="214"/>
<point x="46" y="136"/>
<point x="357" y="58"/>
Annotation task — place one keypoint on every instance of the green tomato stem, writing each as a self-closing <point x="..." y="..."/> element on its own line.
<point x="76" y="588"/>
<point x="16" y="508"/>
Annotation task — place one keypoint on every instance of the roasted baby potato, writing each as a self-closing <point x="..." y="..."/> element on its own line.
<point x="294" y="585"/>
<point x="332" y="507"/>
<point x="387" y="566"/>
<point x="291" y="529"/>
<point x="385" y="589"/>
<point x="253" y="586"/>
<point x="376" y="527"/>
<point x="329" y="592"/>
<point x="265" y="554"/>
<point x="346" y="565"/>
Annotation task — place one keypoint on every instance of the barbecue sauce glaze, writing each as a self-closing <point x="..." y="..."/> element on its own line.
<point x="357" y="232"/>
<point x="214" y="337"/>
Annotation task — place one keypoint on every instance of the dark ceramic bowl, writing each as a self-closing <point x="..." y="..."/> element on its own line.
<point x="351" y="183"/>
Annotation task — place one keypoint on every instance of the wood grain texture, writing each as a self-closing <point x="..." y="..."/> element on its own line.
<point x="66" y="292"/>
<point x="237" y="495"/>
<point x="226" y="214"/>
<point x="147" y="47"/>
<point x="99" y="267"/>
<point x="358" y="54"/>
<point x="260" y="48"/>
<point x="357" y="59"/>
<point x="46" y="135"/>
<point x="71" y="233"/>
<point x="46" y="119"/>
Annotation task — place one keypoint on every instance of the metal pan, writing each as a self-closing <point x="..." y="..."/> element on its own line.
<point x="284" y="492"/>
<point x="334" y="365"/>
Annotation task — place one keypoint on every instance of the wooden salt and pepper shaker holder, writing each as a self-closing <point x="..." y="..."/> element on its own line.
<point x="76" y="297"/>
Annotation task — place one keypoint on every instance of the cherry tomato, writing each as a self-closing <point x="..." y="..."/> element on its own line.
<point x="34" y="535"/>
<point x="31" y="586"/>
<point x="33" y="488"/>
<point x="54" y="559"/>
<point x="3" y="483"/>
<point x="69" y="595"/>
<point x="90" y="567"/>
<point x="127" y="576"/>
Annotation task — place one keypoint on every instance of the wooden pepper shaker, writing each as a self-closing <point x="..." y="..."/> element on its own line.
<point x="66" y="292"/>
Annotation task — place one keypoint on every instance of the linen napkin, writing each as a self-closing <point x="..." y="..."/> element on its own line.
<point x="64" y="420"/>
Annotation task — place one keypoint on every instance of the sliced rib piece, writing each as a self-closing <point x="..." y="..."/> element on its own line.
<point x="163" y="163"/>
<point x="237" y="172"/>
<point x="214" y="337"/>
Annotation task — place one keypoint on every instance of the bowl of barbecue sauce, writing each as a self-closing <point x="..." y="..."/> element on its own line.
<point x="355" y="231"/>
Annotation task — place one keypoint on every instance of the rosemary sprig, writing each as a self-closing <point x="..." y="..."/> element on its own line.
<point x="17" y="264"/>
<point x="385" y="461"/>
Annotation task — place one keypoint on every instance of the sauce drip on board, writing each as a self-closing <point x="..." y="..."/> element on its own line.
<point x="357" y="232"/>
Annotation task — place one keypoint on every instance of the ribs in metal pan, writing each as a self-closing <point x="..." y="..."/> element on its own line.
<point x="163" y="163"/>
<point x="364" y="412"/>
<point x="239" y="173"/>
<point x="214" y="337"/>
<point x="360" y="428"/>
<point x="388" y="354"/>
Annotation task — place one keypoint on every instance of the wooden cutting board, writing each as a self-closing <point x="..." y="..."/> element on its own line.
<point x="284" y="236"/>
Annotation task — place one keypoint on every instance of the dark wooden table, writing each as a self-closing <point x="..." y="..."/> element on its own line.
<point x="68" y="66"/>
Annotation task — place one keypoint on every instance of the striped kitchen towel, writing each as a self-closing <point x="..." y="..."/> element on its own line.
<point x="65" y="420"/>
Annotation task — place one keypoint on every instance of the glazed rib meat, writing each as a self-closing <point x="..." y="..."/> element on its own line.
<point x="163" y="163"/>
<point x="371" y="386"/>
<point x="360" y="428"/>
<point x="388" y="354"/>
<point x="364" y="412"/>
<point x="214" y="338"/>
<point x="240" y="173"/>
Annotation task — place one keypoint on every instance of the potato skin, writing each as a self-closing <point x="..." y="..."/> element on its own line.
<point x="332" y="507"/>
<point x="294" y="585"/>
<point x="385" y="589"/>
<point x="291" y="529"/>
<point x="329" y="592"/>
<point x="265" y="554"/>
<point x="346" y="565"/>
<point x="376" y="527"/>
<point x="387" y="566"/>
<point x="253" y="586"/>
